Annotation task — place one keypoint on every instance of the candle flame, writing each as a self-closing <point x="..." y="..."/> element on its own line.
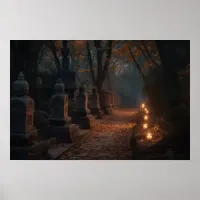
<point x="146" y="110"/>
<point x="149" y="136"/>
<point x="146" y="117"/>
<point x="145" y="126"/>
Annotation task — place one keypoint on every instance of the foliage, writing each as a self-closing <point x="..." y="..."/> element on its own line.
<point x="100" y="59"/>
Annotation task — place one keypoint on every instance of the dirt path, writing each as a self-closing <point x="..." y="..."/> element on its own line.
<point x="109" y="140"/>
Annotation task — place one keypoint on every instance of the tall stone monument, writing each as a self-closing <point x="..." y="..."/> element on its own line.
<point x="59" y="104"/>
<point x="68" y="76"/>
<point x="67" y="73"/>
<point x="60" y="126"/>
<point x="113" y="100"/>
<point x="82" y="114"/>
<point x="94" y="104"/>
<point x="106" y="107"/>
<point x="24" y="139"/>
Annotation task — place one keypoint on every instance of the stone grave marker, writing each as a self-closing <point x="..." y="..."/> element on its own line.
<point x="82" y="114"/>
<point x="60" y="123"/>
<point x="94" y="104"/>
<point x="106" y="107"/>
<point x="23" y="135"/>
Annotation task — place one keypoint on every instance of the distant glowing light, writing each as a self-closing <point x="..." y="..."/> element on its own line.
<point x="146" y="110"/>
<point x="149" y="136"/>
<point x="143" y="105"/>
<point x="145" y="126"/>
<point x="146" y="117"/>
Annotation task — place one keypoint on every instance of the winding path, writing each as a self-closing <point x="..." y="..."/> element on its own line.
<point x="109" y="140"/>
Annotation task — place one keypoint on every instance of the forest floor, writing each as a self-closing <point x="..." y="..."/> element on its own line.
<point x="108" y="140"/>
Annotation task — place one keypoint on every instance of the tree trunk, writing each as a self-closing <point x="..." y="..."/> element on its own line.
<point x="172" y="63"/>
<point x="52" y="47"/>
<point x="102" y="69"/>
<point x="65" y="55"/>
<point x="90" y="63"/>
<point x="101" y="94"/>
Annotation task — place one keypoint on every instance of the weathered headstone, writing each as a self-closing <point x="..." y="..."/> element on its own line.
<point x="113" y="100"/>
<point x="106" y="106"/>
<point x="60" y="126"/>
<point x="59" y="104"/>
<point x="23" y="135"/>
<point x="94" y="104"/>
<point x="22" y="109"/>
<point x="82" y="102"/>
<point x="82" y="114"/>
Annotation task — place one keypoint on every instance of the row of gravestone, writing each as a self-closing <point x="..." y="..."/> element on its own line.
<point x="25" y="141"/>
<point x="110" y="101"/>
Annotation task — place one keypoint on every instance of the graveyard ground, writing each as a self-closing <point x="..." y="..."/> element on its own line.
<point x="108" y="140"/>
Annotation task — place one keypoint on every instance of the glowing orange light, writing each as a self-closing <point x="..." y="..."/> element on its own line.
<point x="146" y="110"/>
<point x="145" y="126"/>
<point x="149" y="136"/>
<point x="143" y="105"/>
<point x="146" y="117"/>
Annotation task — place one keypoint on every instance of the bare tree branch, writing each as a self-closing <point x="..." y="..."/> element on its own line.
<point x="99" y="55"/>
<point x="145" y="47"/>
<point x="137" y="65"/>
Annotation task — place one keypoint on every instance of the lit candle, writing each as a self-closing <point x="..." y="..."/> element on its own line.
<point x="149" y="136"/>
<point x="146" y="117"/>
<point x="145" y="126"/>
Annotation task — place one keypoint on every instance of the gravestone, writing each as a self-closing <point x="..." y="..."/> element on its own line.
<point x="59" y="104"/>
<point x="82" y="113"/>
<point x="113" y="100"/>
<point x="69" y="80"/>
<point x="94" y="104"/>
<point x="110" y="102"/>
<point x="22" y="112"/>
<point x="110" y="99"/>
<point x="23" y="135"/>
<point x="59" y="121"/>
<point x="106" y="107"/>
<point x="68" y="76"/>
<point x="82" y="102"/>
